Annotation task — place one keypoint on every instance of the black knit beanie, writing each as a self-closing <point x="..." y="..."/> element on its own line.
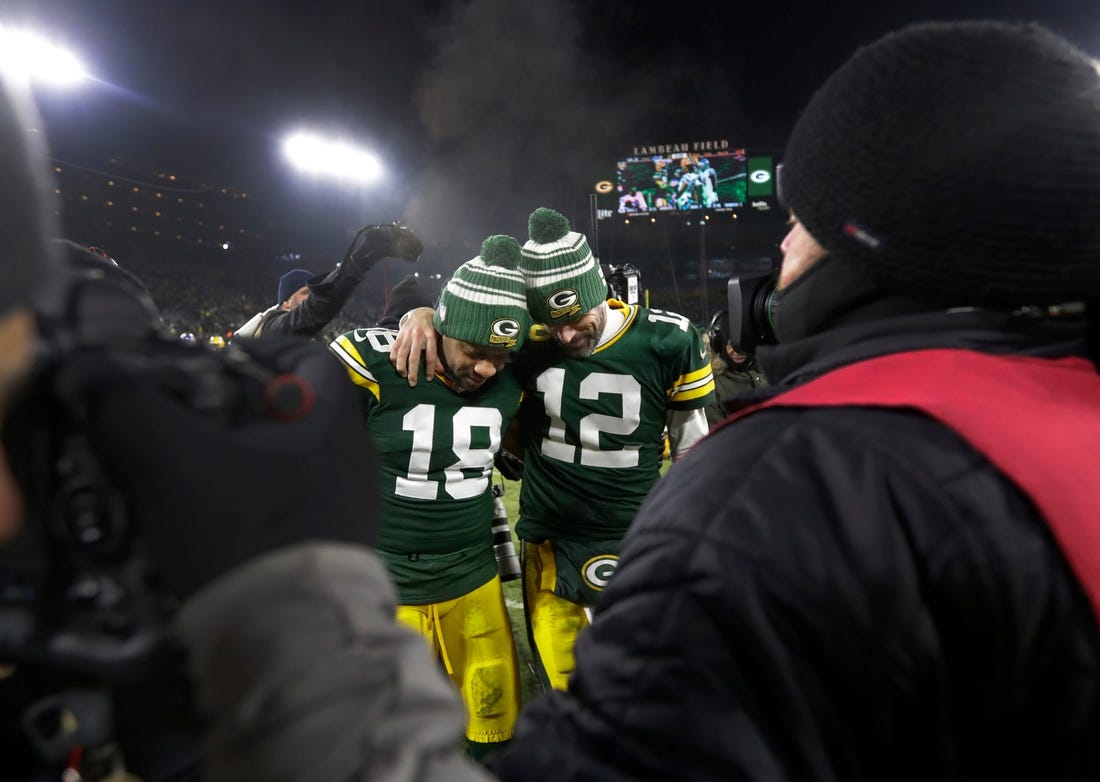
<point x="957" y="163"/>
<point x="292" y="282"/>
<point x="404" y="296"/>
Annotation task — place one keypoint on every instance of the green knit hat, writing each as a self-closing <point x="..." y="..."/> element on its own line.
<point x="563" y="279"/>
<point x="483" y="303"/>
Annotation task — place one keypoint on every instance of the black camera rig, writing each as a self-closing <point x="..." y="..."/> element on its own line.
<point x="76" y="589"/>
<point x="81" y="606"/>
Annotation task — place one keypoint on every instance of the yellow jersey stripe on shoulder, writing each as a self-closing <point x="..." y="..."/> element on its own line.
<point x="630" y="313"/>
<point x="355" y="366"/>
<point x="692" y="385"/>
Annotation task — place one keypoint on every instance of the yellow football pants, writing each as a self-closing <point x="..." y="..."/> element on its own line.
<point x="553" y="622"/>
<point x="472" y="636"/>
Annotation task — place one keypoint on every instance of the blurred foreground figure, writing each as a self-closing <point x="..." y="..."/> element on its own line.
<point x="891" y="570"/>
<point x="266" y="582"/>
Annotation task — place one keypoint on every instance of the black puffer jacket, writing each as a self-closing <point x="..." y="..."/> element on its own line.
<point x="841" y="594"/>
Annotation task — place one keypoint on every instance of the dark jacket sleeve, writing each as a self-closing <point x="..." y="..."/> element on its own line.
<point x="327" y="295"/>
<point x="728" y="384"/>
<point x="828" y="595"/>
<point x="305" y="674"/>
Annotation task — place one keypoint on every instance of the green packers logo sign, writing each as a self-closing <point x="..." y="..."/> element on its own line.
<point x="597" y="571"/>
<point x="504" y="332"/>
<point x="564" y="304"/>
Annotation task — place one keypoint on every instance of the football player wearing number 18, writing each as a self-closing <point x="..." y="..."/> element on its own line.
<point x="436" y="442"/>
<point x="601" y="386"/>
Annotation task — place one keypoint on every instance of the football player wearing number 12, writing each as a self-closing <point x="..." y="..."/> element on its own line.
<point x="602" y="383"/>
<point x="436" y="442"/>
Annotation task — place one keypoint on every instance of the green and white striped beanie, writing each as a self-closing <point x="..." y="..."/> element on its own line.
<point x="564" y="281"/>
<point x="483" y="303"/>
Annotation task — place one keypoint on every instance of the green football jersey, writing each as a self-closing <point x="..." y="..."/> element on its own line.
<point x="436" y="449"/>
<point x="594" y="426"/>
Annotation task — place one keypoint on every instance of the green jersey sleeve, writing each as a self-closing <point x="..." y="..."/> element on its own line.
<point x="679" y="346"/>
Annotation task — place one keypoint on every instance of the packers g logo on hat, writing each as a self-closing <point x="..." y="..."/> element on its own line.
<point x="504" y="332"/>
<point x="597" y="571"/>
<point x="563" y="304"/>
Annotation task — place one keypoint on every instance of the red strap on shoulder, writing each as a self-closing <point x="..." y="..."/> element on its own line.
<point x="1035" y="419"/>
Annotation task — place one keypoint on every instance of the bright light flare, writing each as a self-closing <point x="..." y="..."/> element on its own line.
<point x="332" y="158"/>
<point x="26" y="56"/>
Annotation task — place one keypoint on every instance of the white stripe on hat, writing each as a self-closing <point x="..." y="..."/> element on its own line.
<point x="540" y="278"/>
<point x="568" y="243"/>
<point x="483" y="294"/>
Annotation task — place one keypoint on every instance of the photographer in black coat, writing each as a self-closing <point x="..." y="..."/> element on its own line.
<point x="890" y="570"/>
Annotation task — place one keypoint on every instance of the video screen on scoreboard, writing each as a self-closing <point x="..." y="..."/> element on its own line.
<point x="682" y="182"/>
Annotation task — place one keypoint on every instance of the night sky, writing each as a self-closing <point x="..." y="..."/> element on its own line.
<point x="481" y="110"/>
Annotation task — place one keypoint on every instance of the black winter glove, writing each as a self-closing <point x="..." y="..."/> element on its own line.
<point x="209" y="492"/>
<point x="375" y="242"/>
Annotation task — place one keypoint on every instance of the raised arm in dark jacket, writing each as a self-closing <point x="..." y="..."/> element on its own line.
<point x="328" y="292"/>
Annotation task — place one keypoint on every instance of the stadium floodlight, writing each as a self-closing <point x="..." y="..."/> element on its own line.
<point x="26" y="56"/>
<point x="331" y="158"/>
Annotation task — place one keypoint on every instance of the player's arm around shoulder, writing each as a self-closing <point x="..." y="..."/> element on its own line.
<point x="416" y="339"/>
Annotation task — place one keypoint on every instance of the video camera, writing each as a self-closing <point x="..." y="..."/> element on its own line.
<point x="752" y="302"/>
<point x="625" y="282"/>
<point x="77" y="593"/>
<point x="399" y="241"/>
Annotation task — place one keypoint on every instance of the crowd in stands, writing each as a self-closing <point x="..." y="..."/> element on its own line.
<point x="214" y="299"/>
<point x="210" y="298"/>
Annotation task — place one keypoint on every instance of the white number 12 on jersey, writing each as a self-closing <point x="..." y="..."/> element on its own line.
<point x="552" y="382"/>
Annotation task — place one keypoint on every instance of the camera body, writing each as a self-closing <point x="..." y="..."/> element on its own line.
<point x="77" y="592"/>
<point x="625" y="282"/>
<point x="372" y="243"/>
<point x="406" y="244"/>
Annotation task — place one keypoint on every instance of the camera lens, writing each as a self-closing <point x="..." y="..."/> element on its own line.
<point x="752" y="300"/>
<point x="764" y="313"/>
